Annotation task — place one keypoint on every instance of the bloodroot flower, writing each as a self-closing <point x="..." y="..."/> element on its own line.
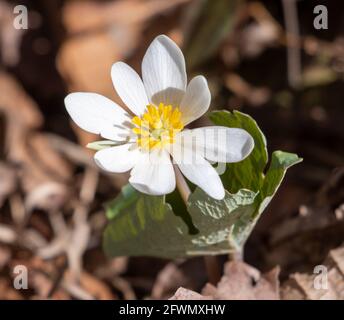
<point x="154" y="135"/>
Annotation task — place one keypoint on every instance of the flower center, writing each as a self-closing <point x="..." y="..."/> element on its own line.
<point x="157" y="127"/>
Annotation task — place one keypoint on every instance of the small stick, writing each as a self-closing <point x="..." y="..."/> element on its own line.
<point x="211" y="263"/>
<point x="293" y="43"/>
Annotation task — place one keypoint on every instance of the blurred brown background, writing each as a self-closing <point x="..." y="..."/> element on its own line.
<point x="264" y="58"/>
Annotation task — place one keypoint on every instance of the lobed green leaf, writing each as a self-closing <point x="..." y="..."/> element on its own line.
<point x="143" y="225"/>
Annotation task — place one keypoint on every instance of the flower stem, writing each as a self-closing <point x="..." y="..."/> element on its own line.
<point x="182" y="185"/>
<point x="236" y="255"/>
<point x="211" y="263"/>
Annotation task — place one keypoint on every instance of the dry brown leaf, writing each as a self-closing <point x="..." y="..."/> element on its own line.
<point x="239" y="282"/>
<point x="186" y="294"/>
<point x="243" y="282"/>
<point x="303" y="286"/>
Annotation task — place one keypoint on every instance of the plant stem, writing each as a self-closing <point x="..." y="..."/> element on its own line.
<point x="236" y="255"/>
<point x="211" y="263"/>
<point x="182" y="185"/>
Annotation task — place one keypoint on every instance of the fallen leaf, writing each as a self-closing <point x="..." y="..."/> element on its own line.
<point x="239" y="282"/>
<point x="325" y="283"/>
<point x="243" y="282"/>
<point x="185" y="294"/>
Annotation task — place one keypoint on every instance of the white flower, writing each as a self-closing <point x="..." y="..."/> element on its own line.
<point x="161" y="105"/>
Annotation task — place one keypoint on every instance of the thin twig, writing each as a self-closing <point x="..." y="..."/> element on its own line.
<point x="293" y="42"/>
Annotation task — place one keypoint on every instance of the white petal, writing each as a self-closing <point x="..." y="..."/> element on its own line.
<point x="218" y="144"/>
<point x="200" y="172"/>
<point x="117" y="159"/>
<point x="163" y="72"/>
<point x="99" y="115"/>
<point x="129" y="87"/>
<point x="196" y="100"/>
<point x="154" y="174"/>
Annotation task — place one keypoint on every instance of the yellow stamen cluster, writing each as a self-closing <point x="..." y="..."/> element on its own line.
<point x="157" y="127"/>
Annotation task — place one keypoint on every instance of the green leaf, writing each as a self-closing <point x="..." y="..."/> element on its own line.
<point x="149" y="227"/>
<point x="216" y="219"/>
<point x="280" y="162"/>
<point x="143" y="225"/>
<point x="125" y="200"/>
<point x="250" y="173"/>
